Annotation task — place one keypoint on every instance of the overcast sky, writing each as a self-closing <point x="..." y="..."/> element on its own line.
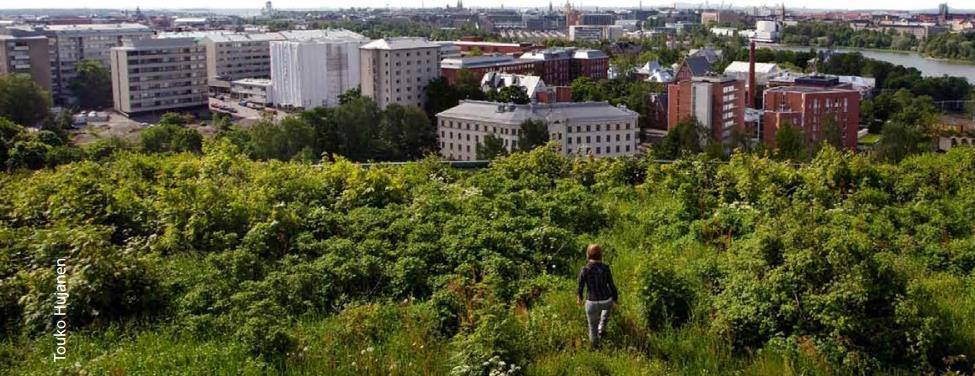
<point x="159" y="4"/>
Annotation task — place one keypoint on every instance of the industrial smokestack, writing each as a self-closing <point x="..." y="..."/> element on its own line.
<point x="751" y="75"/>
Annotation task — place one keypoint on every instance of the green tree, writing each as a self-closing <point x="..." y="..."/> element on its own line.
<point x="532" y="134"/>
<point x="167" y="137"/>
<point x="440" y="96"/>
<point x="175" y="118"/>
<point x="29" y="154"/>
<point x="407" y="132"/>
<point x="688" y="137"/>
<point x="93" y="85"/>
<point x="291" y="138"/>
<point x="512" y="94"/>
<point x="584" y="89"/>
<point x="491" y="147"/>
<point x="899" y="140"/>
<point x="22" y="101"/>
<point x="468" y="85"/>
<point x="350" y="95"/>
<point x="832" y="133"/>
<point x="790" y="143"/>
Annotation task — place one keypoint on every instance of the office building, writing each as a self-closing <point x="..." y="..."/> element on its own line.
<point x="596" y="128"/>
<point x="314" y="72"/>
<point x="26" y="53"/>
<point x="717" y="102"/>
<point x="253" y="90"/>
<point x="812" y="108"/>
<point x="158" y="75"/>
<point x="397" y="70"/>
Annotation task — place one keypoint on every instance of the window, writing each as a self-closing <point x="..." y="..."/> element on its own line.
<point x="627" y="136"/>
<point x="617" y="137"/>
<point x="598" y="150"/>
<point x="598" y="137"/>
<point x="588" y="140"/>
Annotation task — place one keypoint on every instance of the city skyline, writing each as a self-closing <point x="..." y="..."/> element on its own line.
<point x="612" y="4"/>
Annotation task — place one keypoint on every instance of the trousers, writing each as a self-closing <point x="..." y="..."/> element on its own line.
<point x="597" y="314"/>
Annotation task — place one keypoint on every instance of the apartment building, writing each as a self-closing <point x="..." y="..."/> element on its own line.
<point x="26" y="53"/>
<point x="717" y="102"/>
<point x="595" y="128"/>
<point x="811" y="108"/>
<point x="480" y="65"/>
<point x="595" y="33"/>
<point x="314" y="72"/>
<point x="158" y="75"/>
<point x="70" y="44"/>
<point x="397" y="70"/>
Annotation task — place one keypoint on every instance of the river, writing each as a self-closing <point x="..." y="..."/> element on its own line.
<point x="928" y="67"/>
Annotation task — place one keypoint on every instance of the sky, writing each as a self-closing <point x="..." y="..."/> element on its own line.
<point x="283" y="4"/>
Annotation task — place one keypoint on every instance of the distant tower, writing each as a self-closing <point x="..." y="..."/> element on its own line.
<point x="550" y="9"/>
<point x="268" y="9"/>
<point x="460" y="4"/>
<point x="782" y="12"/>
<point x="943" y="13"/>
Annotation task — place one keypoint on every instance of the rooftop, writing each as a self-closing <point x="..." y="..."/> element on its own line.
<point x="98" y="27"/>
<point x="147" y="43"/>
<point x="551" y="112"/>
<point x="481" y="61"/>
<point x="742" y="67"/>
<point x="808" y="89"/>
<point x="401" y="43"/>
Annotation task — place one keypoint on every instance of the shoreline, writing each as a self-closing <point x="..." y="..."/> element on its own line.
<point x="881" y="50"/>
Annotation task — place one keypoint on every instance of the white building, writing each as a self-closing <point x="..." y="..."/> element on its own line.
<point x="397" y="70"/>
<point x="767" y="31"/>
<point x="253" y="90"/>
<point x="157" y="75"/>
<point x="313" y="72"/>
<point x="595" y="33"/>
<point x="763" y="71"/>
<point x="596" y="128"/>
<point x="497" y="80"/>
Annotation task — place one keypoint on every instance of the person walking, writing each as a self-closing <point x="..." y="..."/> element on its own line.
<point x="601" y="295"/>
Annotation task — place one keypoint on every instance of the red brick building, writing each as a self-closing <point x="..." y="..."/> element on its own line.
<point x="560" y="66"/>
<point x="717" y="102"/>
<point x="480" y="65"/>
<point x="692" y="66"/>
<point x="809" y="107"/>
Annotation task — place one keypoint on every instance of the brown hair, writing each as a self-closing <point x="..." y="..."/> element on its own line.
<point x="594" y="252"/>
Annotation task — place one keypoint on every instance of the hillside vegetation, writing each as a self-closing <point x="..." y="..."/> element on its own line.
<point x="218" y="264"/>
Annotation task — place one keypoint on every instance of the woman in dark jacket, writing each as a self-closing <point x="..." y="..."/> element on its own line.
<point x="601" y="295"/>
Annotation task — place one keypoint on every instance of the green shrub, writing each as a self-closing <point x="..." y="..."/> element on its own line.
<point x="666" y="297"/>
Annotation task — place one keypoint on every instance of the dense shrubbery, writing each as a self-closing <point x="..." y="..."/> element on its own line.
<point x="841" y="265"/>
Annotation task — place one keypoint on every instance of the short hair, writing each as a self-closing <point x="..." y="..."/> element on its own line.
<point x="594" y="252"/>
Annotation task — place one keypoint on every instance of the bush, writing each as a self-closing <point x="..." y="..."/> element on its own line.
<point x="666" y="297"/>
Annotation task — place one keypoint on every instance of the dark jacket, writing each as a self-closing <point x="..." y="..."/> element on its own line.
<point x="596" y="278"/>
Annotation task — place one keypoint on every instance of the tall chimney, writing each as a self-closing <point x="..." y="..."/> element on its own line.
<point x="751" y="75"/>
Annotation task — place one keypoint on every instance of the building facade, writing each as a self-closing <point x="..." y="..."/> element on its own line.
<point x="26" y="54"/>
<point x="595" y="128"/>
<point x="253" y="90"/>
<point x="812" y="109"/>
<point x="69" y="44"/>
<point x="313" y="73"/>
<point x="157" y="75"/>
<point x="595" y="33"/>
<point x="717" y="102"/>
<point x="397" y="70"/>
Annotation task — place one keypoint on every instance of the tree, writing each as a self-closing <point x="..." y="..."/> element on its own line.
<point x="284" y="141"/>
<point x="22" y="101"/>
<point x="30" y="154"/>
<point x="491" y="147"/>
<point x="512" y="94"/>
<point x="350" y="95"/>
<point x="832" y="133"/>
<point x="468" y="85"/>
<point x="93" y="85"/>
<point x="584" y="89"/>
<point x="167" y="137"/>
<point x="440" y="96"/>
<point x="175" y="118"/>
<point x="407" y="132"/>
<point x="476" y="51"/>
<point x="688" y="137"/>
<point x="531" y="134"/>
<point x="790" y="143"/>
<point x="899" y="140"/>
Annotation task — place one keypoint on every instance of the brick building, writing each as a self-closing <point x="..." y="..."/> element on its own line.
<point x="481" y="65"/>
<point x="809" y="107"/>
<point x="717" y="102"/>
<point x="560" y="66"/>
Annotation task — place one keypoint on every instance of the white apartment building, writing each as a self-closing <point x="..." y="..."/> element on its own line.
<point x="596" y="128"/>
<point x="397" y="70"/>
<point x="254" y="90"/>
<point x="314" y="72"/>
<point x="70" y="44"/>
<point x="157" y="75"/>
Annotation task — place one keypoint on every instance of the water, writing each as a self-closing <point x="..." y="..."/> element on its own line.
<point x="928" y="67"/>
